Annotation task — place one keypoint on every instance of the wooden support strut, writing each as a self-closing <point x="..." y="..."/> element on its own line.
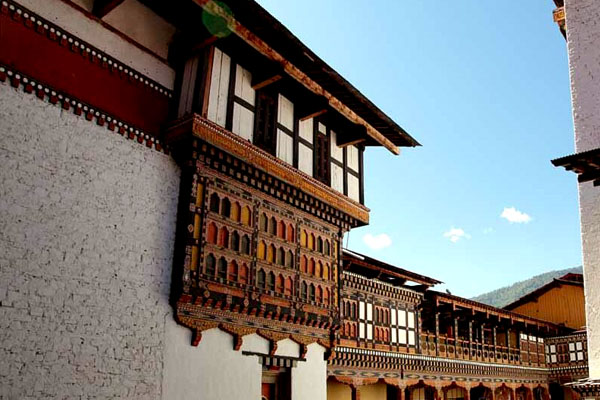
<point x="266" y="50"/>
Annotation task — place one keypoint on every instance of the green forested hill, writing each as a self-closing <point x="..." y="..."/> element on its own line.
<point x="508" y="294"/>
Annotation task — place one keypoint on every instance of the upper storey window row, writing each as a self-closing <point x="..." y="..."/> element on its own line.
<point x="272" y="117"/>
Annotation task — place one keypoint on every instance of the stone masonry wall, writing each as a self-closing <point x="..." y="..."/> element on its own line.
<point x="583" y="33"/>
<point x="87" y="226"/>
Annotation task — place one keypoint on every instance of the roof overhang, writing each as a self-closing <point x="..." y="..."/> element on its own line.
<point x="585" y="164"/>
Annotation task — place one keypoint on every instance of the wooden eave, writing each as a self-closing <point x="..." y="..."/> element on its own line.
<point x="260" y="30"/>
<point x="241" y="149"/>
<point x="438" y="298"/>
<point x="535" y="294"/>
<point x="585" y="164"/>
<point x="380" y="270"/>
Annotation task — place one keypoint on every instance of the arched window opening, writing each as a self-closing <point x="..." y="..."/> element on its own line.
<point x="289" y="259"/>
<point x="271" y="253"/>
<point x="281" y="256"/>
<point x="271" y="281"/>
<point x="243" y="274"/>
<point x="319" y="269"/>
<point x="326" y="296"/>
<point x="223" y="237"/>
<point x="222" y="268"/>
<point x="326" y="248"/>
<point x="273" y="226"/>
<point x="260" y="279"/>
<point x="303" y="264"/>
<point x="225" y="207"/>
<point x="211" y="233"/>
<point x="262" y="222"/>
<point x="209" y="270"/>
<point x="319" y="244"/>
<point x="214" y="202"/>
<point x="353" y="310"/>
<point x="319" y="294"/>
<point x="303" y="290"/>
<point x="303" y="238"/>
<point x="234" y="215"/>
<point x="311" y="266"/>
<point x="311" y="241"/>
<point x="455" y="393"/>
<point x="346" y="309"/>
<point x="311" y="292"/>
<point x="246" y="217"/>
<point x="232" y="271"/>
<point x="235" y="241"/>
<point x="279" y="284"/>
<point x="325" y="271"/>
<point x="281" y="229"/>
<point x="288" y="287"/>
<point x="290" y="233"/>
<point x="246" y="244"/>
<point x="261" y="252"/>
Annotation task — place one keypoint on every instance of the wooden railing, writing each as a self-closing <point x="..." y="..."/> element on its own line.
<point x="462" y="349"/>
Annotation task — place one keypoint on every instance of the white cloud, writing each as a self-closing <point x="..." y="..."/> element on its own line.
<point x="513" y="215"/>
<point x="455" y="234"/>
<point x="377" y="242"/>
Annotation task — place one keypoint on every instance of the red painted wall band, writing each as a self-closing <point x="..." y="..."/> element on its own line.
<point x="59" y="63"/>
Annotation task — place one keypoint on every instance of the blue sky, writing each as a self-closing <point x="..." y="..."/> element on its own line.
<point x="484" y="87"/>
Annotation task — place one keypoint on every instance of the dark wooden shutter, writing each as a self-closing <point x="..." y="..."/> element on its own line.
<point x="266" y="117"/>
<point x="322" y="158"/>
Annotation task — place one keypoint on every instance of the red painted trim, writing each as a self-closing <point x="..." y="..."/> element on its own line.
<point x="46" y="54"/>
<point x="114" y="30"/>
<point x="17" y="80"/>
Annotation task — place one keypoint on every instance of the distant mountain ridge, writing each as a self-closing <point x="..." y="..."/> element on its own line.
<point x="506" y="295"/>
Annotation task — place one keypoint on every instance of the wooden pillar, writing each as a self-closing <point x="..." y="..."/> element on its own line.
<point x="470" y="338"/>
<point x="456" y="331"/>
<point x="494" y="342"/>
<point x="355" y="392"/>
<point x="437" y="333"/>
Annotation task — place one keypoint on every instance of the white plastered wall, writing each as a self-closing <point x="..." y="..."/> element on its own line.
<point x="87" y="226"/>
<point x="583" y="32"/>
<point x="211" y="371"/>
<point x="309" y="378"/>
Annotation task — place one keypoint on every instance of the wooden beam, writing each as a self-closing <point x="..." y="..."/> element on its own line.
<point x="103" y="7"/>
<point x="266" y="50"/>
<point x="356" y="134"/>
<point x="314" y="114"/>
<point x="266" y="82"/>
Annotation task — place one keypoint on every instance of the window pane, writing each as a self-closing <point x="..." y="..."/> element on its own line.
<point x="393" y="312"/>
<point x="353" y="187"/>
<point x="402" y="318"/>
<point x="243" y="122"/>
<point x="361" y="310"/>
<point x="411" y="319"/>
<point x="369" y="312"/>
<point x="285" y="113"/>
<point x="394" y="336"/>
<point x="285" y="147"/>
<point x="402" y="336"/>
<point x="369" y="331"/>
<point x="361" y="330"/>
<point x="352" y="157"/>
<point x="243" y="84"/>
<point x="337" y="178"/>
<point x="411" y="338"/>
<point x="305" y="159"/>
<point x="337" y="153"/>
<point x="219" y="88"/>
<point x="306" y="130"/>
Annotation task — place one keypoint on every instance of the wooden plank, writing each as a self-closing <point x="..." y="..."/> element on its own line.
<point x="262" y="47"/>
<point x="103" y="7"/>
<point x="313" y="115"/>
